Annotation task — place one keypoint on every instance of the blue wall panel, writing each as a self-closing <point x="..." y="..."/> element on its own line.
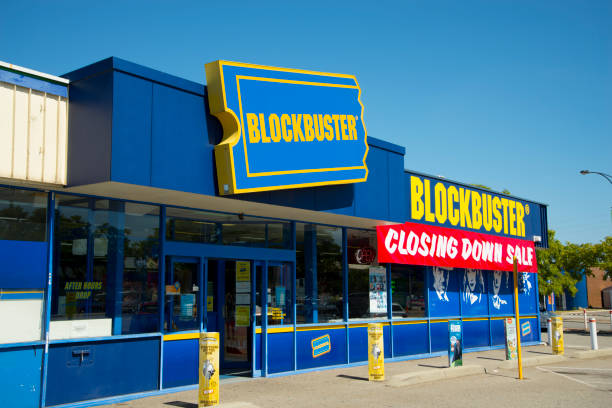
<point x="372" y="197"/>
<point x="387" y="340"/>
<point x="108" y="368"/>
<point x="20" y="374"/>
<point x="182" y="157"/>
<point x="89" y="127"/>
<point x="337" y="354"/>
<point x="501" y="293"/>
<point x="475" y="333"/>
<point x="498" y="334"/>
<point x="444" y="292"/>
<point x="24" y="265"/>
<point x="410" y="339"/>
<point x="180" y="363"/>
<point x="528" y="300"/>
<point x="258" y="351"/>
<point x="439" y="336"/>
<point x="474" y="293"/>
<point x="358" y="344"/>
<point x="529" y="330"/>
<point x="131" y="144"/>
<point x="280" y="352"/>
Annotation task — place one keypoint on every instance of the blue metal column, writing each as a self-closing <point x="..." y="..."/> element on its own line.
<point x="47" y="308"/>
<point x="537" y="299"/>
<point x="202" y="287"/>
<point x="390" y="306"/>
<point x="253" y="318"/>
<point x="293" y="301"/>
<point x="345" y="290"/>
<point x="428" y="307"/>
<point x="310" y="272"/>
<point x="264" y="320"/>
<point x="115" y="256"/>
<point x="162" y="289"/>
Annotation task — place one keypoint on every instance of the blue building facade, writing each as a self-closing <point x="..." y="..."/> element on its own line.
<point x="122" y="267"/>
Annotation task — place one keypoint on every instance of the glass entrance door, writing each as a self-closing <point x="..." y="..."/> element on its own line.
<point x="231" y="313"/>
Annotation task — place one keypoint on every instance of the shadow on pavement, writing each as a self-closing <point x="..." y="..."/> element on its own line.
<point x="433" y="366"/>
<point x="352" y="377"/>
<point x="181" y="404"/>
<point x="490" y="358"/>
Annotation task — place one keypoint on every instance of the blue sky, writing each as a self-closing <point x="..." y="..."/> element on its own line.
<point x="509" y="94"/>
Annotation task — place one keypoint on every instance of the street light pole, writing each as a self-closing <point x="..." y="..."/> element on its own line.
<point x="604" y="175"/>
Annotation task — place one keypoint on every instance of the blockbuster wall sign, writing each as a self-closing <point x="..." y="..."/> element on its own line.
<point x="285" y="128"/>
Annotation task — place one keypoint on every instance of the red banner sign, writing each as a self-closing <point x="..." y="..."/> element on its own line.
<point x="421" y="244"/>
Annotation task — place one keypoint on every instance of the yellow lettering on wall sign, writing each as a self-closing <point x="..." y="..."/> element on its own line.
<point x="253" y="128"/>
<point x="440" y="202"/>
<point x="416" y="198"/>
<point x="429" y="215"/>
<point x="464" y="207"/>
<point x="453" y="213"/>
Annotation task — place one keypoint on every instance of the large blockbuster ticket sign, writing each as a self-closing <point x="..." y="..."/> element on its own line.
<point x="285" y="128"/>
<point x="421" y="244"/>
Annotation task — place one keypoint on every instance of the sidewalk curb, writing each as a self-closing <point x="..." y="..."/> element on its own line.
<point x="402" y="380"/>
<point x="593" y="353"/>
<point x="532" y="361"/>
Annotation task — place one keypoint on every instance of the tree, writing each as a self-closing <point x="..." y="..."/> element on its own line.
<point x="561" y="266"/>
<point x="604" y="254"/>
<point x="551" y="278"/>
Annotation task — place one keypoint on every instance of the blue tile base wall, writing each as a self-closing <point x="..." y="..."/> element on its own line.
<point x="20" y="373"/>
<point x="108" y="368"/>
<point x="180" y="363"/>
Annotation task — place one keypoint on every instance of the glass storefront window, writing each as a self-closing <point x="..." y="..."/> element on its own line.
<point x="23" y="215"/>
<point x="182" y="289"/>
<point x="226" y="229"/>
<point x="279" y="294"/>
<point x="408" y="291"/>
<point x="367" y="281"/>
<point x="318" y="273"/>
<point x="106" y="270"/>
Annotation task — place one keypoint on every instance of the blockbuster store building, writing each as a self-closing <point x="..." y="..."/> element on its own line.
<point x="139" y="209"/>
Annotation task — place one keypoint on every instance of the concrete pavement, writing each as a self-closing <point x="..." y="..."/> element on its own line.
<point x="420" y="383"/>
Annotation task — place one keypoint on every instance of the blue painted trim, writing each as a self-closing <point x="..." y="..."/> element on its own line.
<point x="27" y="81"/>
<point x="47" y="308"/>
<point x="108" y="338"/>
<point x="228" y="251"/>
<point x="21" y="295"/>
<point x="382" y="144"/>
<point x="26" y="344"/>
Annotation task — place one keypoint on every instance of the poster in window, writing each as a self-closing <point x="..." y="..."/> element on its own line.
<point x="378" y="290"/>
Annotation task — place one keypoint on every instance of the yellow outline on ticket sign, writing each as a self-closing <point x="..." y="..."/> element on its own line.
<point x="233" y="127"/>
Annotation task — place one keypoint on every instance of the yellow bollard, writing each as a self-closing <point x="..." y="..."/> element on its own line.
<point x="208" y="394"/>
<point x="376" y="352"/>
<point x="557" y="335"/>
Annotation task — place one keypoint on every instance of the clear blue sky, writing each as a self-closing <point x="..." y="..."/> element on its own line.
<point x="510" y="94"/>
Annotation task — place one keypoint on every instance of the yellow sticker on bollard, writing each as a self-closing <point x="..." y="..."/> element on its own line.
<point x="557" y="335"/>
<point x="376" y="352"/>
<point x="208" y="394"/>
